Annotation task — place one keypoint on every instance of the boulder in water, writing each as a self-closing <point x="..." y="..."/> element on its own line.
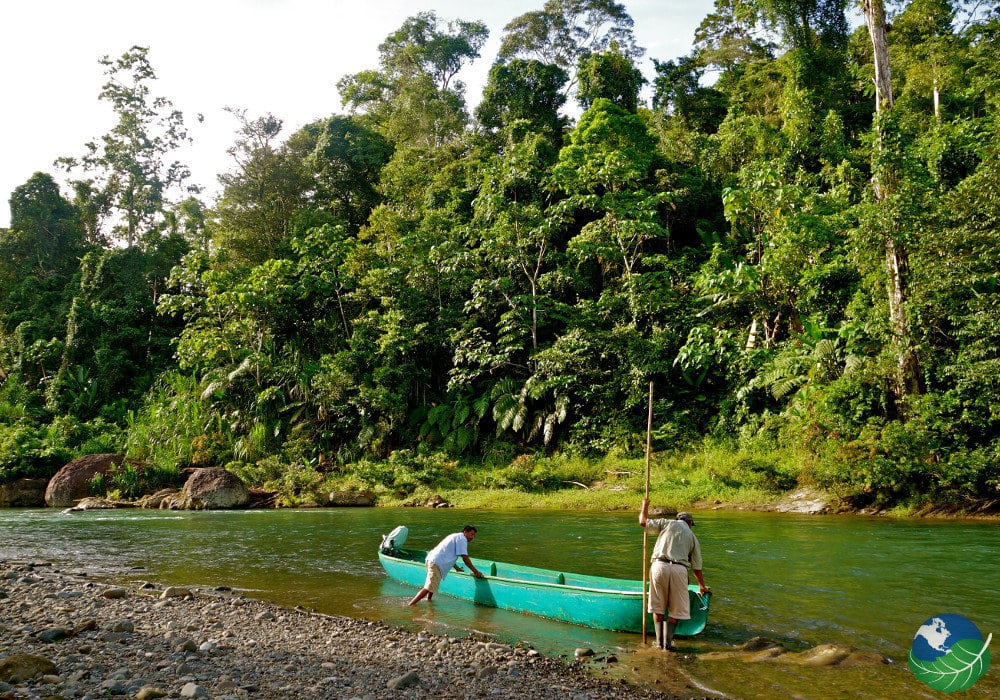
<point x="96" y="503"/>
<point x="209" y="489"/>
<point x="23" y="493"/>
<point x="156" y="500"/>
<point x="72" y="482"/>
<point x="354" y="499"/>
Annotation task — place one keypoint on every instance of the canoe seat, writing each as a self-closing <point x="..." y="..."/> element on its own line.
<point x="537" y="576"/>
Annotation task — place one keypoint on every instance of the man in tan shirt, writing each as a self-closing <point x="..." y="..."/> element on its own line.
<point x="676" y="551"/>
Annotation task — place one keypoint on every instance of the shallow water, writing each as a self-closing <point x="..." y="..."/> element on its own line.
<point x="802" y="580"/>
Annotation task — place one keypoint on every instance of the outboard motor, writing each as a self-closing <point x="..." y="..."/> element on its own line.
<point x="395" y="539"/>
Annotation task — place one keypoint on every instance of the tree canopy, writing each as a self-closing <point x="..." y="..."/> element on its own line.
<point x="794" y="240"/>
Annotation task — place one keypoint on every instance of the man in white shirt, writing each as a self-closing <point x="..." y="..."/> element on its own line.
<point x="444" y="556"/>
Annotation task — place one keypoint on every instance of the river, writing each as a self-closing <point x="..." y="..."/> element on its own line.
<point x="800" y="580"/>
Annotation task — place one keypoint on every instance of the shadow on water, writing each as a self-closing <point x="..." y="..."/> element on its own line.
<point x="799" y="580"/>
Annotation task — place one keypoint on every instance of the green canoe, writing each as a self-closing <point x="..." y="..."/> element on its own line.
<point x="593" y="601"/>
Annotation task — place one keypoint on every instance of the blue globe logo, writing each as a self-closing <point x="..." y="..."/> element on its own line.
<point x="948" y="653"/>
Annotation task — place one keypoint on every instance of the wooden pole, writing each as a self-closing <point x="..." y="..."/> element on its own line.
<point x="645" y="537"/>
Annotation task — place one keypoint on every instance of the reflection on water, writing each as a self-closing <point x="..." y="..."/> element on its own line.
<point x="803" y="580"/>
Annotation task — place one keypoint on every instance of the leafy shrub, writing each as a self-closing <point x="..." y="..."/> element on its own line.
<point x="884" y="465"/>
<point x="518" y="475"/>
<point x="966" y="476"/>
<point x="894" y="463"/>
<point x="374" y="474"/>
<point x="174" y="427"/>
<point x="423" y="469"/>
<point x="28" y="450"/>
<point x="24" y="453"/>
<point x="764" y="474"/>
<point x="96" y="485"/>
<point x="208" y="449"/>
<point x="405" y="471"/>
<point x="296" y="480"/>
<point x="261" y="472"/>
<point x="535" y="475"/>
<point x="130" y="481"/>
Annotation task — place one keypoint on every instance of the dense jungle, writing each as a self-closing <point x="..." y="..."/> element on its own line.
<point x="788" y="238"/>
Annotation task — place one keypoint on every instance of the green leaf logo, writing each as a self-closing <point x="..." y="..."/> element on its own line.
<point x="964" y="664"/>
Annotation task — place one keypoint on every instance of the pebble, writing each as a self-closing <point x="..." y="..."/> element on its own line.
<point x="139" y="641"/>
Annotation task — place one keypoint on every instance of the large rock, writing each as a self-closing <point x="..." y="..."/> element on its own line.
<point x="209" y="489"/>
<point x="19" y="668"/>
<point x="97" y="503"/>
<point x="352" y="499"/>
<point x="155" y="500"/>
<point x="71" y="483"/>
<point x="759" y="649"/>
<point x="23" y="493"/>
<point x="806" y="501"/>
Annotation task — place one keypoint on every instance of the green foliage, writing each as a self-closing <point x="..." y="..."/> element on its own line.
<point x="534" y="474"/>
<point x="296" y="482"/>
<point x="414" y="97"/>
<point x="96" y="485"/>
<point x="173" y="428"/>
<point x="347" y="161"/>
<point x="812" y="292"/>
<point x="375" y="474"/>
<point x="526" y="91"/>
<point x="523" y="474"/>
<point x="455" y="425"/>
<point x="129" y="481"/>
<point x="27" y="453"/>
<point x="922" y="461"/>
<point x="678" y="91"/>
<point x="131" y="179"/>
<point x="760" y="473"/>
<point x="404" y="471"/>
<point x="564" y="31"/>
<point x="115" y="343"/>
<point x="32" y="450"/>
<point x="609" y="75"/>
<point x="264" y="471"/>
<point x="264" y="192"/>
<point x="721" y="470"/>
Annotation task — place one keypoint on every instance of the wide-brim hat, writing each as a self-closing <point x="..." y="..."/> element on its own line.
<point x="686" y="517"/>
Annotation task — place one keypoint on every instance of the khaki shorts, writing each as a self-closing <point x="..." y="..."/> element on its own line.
<point x="433" y="581"/>
<point x="668" y="590"/>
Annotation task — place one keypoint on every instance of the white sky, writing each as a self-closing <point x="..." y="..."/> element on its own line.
<point x="279" y="56"/>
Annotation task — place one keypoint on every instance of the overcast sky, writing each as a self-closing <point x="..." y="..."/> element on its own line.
<point x="279" y="56"/>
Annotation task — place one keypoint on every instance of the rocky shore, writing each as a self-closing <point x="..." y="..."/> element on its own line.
<point x="66" y="635"/>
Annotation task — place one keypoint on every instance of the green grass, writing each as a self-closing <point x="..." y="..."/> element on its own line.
<point x="709" y="476"/>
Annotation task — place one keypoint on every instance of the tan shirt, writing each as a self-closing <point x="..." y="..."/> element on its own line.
<point x="676" y="542"/>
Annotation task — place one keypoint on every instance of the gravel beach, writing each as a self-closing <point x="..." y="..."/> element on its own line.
<point x="66" y="635"/>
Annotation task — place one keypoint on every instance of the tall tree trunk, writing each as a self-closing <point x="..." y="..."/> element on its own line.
<point x="875" y="19"/>
<point x="885" y="183"/>
<point x="937" y="99"/>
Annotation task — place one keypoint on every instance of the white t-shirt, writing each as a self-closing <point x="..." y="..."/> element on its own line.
<point x="448" y="551"/>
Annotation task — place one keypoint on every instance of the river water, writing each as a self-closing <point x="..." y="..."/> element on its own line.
<point x="801" y="580"/>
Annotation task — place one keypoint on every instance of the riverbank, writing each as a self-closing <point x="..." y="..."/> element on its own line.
<point x="66" y="635"/>
<point x="802" y="501"/>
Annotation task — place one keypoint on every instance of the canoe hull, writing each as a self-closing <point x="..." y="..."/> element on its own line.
<point x="592" y="601"/>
